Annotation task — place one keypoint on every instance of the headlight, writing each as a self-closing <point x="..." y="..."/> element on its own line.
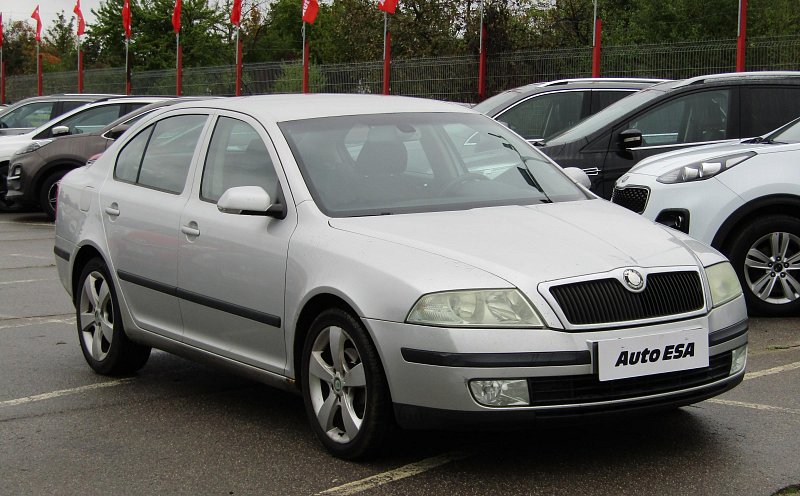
<point x="478" y="308"/>
<point x="703" y="170"/>
<point x="33" y="146"/>
<point x="723" y="283"/>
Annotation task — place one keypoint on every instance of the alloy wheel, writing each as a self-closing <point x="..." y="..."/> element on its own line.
<point x="96" y="315"/>
<point x="772" y="268"/>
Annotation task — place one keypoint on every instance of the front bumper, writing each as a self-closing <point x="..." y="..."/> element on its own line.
<point x="18" y="187"/>
<point x="429" y="370"/>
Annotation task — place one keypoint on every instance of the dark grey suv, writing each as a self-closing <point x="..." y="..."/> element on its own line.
<point x="31" y="113"/>
<point x="541" y="110"/>
<point x="674" y="115"/>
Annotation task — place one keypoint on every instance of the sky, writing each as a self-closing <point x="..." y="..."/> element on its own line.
<point x="16" y="10"/>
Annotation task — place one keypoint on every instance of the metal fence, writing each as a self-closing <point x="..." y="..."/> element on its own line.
<point x="446" y="78"/>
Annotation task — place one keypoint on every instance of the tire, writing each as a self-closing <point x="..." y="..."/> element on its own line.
<point x="347" y="400"/>
<point x="102" y="338"/>
<point x="766" y="257"/>
<point x="49" y="192"/>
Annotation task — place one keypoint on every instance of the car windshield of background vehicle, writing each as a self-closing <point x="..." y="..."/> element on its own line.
<point x="608" y="115"/>
<point x="789" y="134"/>
<point x="420" y="162"/>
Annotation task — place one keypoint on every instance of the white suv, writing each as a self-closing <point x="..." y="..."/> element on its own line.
<point x="741" y="198"/>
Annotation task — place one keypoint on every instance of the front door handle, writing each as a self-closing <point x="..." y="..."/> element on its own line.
<point x="113" y="209"/>
<point x="592" y="171"/>
<point x="191" y="229"/>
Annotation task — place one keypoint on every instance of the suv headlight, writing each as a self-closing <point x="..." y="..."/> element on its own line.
<point x="475" y="308"/>
<point x="723" y="283"/>
<point x="33" y="146"/>
<point x="703" y="169"/>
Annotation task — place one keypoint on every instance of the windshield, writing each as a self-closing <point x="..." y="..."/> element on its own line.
<point x="607" y="116"/>
<point x="787" y="134"/>
<point x="420" y="162"/>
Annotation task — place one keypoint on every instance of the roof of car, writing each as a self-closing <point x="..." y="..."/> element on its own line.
<point x="289" y="107"/>
<point x="738" y="76"/>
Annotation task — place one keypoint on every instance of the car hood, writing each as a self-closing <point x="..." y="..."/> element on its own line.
<point x="10" y="144"/>
<point x="527" y="245"/>
<point x="665" y="162"/>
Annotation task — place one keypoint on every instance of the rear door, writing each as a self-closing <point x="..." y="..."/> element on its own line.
<point x="232" y="268"/>
<point x="141" y="208"/>
<point x="767" y="107"/>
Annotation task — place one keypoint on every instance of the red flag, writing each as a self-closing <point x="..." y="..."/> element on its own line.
<point x="387" y="5"/>
<point x="1" y="30"/>
<point x="236" y="13"/>
<point x="176" y="17"/>
<point x="310" y="10"/>
<point x="126" y="19"/>
<point x="35" y="15"/>
<point x="81" y="22"/>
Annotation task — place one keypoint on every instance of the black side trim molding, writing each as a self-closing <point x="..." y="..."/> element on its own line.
<point x="728" y="333"/>
<point x="61" y="253"/>
<point x="484" y="360"/>
<point x="247" y="313"/>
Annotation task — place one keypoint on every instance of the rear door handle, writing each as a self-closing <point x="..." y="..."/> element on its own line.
<point x="191" y="229"/>
<point x="113" y="209"/>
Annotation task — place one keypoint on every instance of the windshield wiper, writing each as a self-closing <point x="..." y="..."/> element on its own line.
<point x="527" y="175"/>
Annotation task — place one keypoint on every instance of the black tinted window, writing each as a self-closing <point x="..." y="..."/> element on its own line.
<point x="767" y="108"/>
<point x="602" y="99"/>
<point x="543" y="116"/>
<point x="696" y="117"/>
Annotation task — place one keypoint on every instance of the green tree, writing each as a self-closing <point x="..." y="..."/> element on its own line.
<point x="19" y="48"/>
<point x="60" y="45"/>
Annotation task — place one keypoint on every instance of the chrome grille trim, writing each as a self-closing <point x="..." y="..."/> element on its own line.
<point x="633" y="198"/>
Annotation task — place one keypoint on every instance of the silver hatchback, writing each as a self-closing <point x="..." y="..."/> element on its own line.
<point x="393" y="260"/>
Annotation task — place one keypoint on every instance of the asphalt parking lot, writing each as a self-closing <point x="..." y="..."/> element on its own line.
<point x="181" y="428"/>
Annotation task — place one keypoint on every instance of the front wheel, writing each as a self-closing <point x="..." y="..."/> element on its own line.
<point x="48" y="194"/>
<point x="344" y="387"/>
<point x="103" y="341"/>
<point x="766" y="256"/>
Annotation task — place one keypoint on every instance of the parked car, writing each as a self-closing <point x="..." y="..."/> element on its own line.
<point x="34" y="174"/>
<point x="342" y="246"/>
<point x="30" y="113"/>
<point x="742" y="198"/>
<point x="86" y="119"/>
<point x="672" y="115"/>
<point x="540" y="111"/>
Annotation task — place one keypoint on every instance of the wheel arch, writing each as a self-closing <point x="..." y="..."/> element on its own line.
<point x="766" y="205"/>
<point x="84" y="254"/>
<point x="51" y="167"/>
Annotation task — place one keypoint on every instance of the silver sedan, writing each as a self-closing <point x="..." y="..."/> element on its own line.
<point x="395" y="261"/>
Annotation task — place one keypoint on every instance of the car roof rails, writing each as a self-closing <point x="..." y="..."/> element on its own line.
<point x="603" y="80"/>
<point x="736" y="75"/>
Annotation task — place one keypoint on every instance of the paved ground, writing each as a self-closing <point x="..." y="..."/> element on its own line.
<point x="180" y="428"/>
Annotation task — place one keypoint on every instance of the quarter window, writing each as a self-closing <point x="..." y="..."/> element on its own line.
<point x="91" y="119"/>
<point x="237" y="156"/>
<point x="544" y="116"/>
<point x="692" y="118"/>
<point x="130" y="158"/>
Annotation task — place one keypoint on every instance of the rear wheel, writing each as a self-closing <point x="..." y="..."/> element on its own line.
<point x="766" y="256"/>
<point x="48" y="194"/>
<point x="105" y="346"/>
<point x="344" y="387"/>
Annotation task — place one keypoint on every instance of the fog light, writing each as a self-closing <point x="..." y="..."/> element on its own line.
<point x="500" y="392"/>
<point x="738" y="359"/>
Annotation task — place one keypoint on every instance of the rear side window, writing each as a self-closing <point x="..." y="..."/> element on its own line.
<point x="766" y="108"/>
<point x="31" y="115"/>
<point x="92" y="119"/>
<point x="544" y="116"/>
<point x="237" y="156"/>
<point x="69" y="105"/>
<point x="602" y="99"/>
<point x="164" y="151"/>
<point x="692" y="118"/>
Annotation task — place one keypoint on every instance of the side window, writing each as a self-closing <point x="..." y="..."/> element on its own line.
<point x="91" y="119"/>
<point x="169" y="152"/>
<point x="767" y="108"/>
<point x="544" y="116"/>
<point x="31" y="115"/>
<point x="692" y="118"/>
<point x="130" y="158"/>
<point x="602" y="99"/>
<point x="68" y="105"/>
<point x="237" y="156"/>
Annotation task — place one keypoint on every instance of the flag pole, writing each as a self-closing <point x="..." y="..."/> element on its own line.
<point x="305" y="60"/>
<point x="178" y="65"/>
<point x="80" y="66"/>
<point x="386" y="53"/>
<point x="38" y="69"/>
<point x="127" y="69"/>
<point x="238" y="63"/>
<point x="482" y="59"/>
<point x="2" y="77"/>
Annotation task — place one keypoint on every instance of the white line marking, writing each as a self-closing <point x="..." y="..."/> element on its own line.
<point x="393" y="475"/>
<point x="38" y="257"/>
<point x="21" y="281"/>
<point x="754" y="406"/>
<point x="30" y="321"/>
<point x="62" y="392"/>
<point x="774" y="370"/>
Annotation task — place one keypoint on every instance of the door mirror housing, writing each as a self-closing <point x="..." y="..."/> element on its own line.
<point x="579" y="176"/>
<point x="250" y="200"/>
<point x="116" y="131"/>
<point x="60" y="130"/>
<point x="630" y="138"/>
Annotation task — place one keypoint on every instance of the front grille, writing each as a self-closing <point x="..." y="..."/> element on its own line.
<point x="631" y="198"/>
<point x="604" y="301"/>
<point x="571" y="390"/>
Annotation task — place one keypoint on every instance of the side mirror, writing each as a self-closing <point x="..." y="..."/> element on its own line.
<point x="117" y="131"/>
<point x="579" y="176"/>
<point x="60" y="130"/>
<point x="249" y="200"/>
<point x="630" y="138"/>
